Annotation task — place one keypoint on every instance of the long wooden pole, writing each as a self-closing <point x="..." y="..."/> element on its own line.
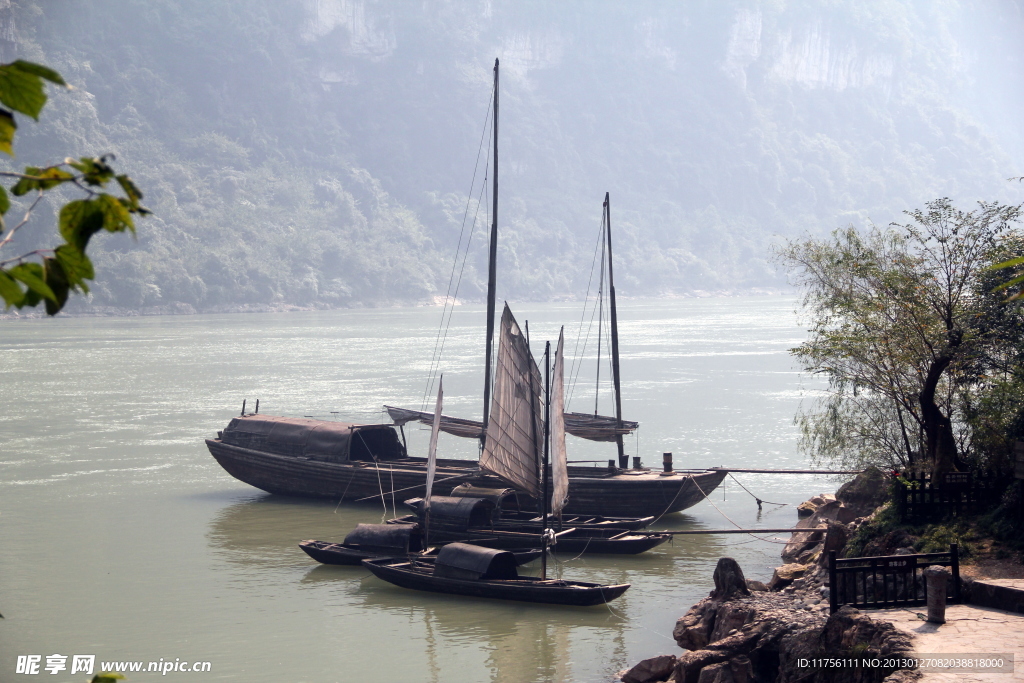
<point x="492" y="265"/>
<point x="811" y="530"/>
<point x="547" y="438"/>
<point x="623" y="459"/>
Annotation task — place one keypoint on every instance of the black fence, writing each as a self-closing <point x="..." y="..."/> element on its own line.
<point x="887" y="581"/>
<point x="960" y="493"/>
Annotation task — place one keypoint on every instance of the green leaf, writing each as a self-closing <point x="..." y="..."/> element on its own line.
<point x="1008" y="264"/>
<point x="130" y="189"/>
<point x="95" y="170"/>
<point x="77" y="266"/>
<point x="42" y="179"/>
<point x="5" y="202"/>
<point x="80" y="220"/>
<point x="57" y="280"/>
<point x="21" y="90"/>
<point x="7" y="128"/>
<point x="39" y="70"/>
<point x="116" y="215"/>
<point x="32" y="276"/>
<point x="107" y="677"/>
<point x="10" y="291"/>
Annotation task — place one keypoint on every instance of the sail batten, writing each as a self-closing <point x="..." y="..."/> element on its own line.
<point x="515" y="430"/>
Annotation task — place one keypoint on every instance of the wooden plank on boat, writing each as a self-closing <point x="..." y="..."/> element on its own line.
<point x="737" y="531"/>
<point x="746" y="471"/>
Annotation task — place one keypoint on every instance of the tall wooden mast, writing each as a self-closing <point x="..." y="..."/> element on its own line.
<point x="623" y="459"/>
<point x="492" y="264"/>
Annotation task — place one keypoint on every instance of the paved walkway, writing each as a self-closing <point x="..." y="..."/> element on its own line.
<point x="968" y="630"/>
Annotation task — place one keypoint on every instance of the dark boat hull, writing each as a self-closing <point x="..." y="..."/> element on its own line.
<point x="587" y="540"/>
<point x="525" y="589"/>
<point x="339" y="554"/>
<point x="592" y="491"/>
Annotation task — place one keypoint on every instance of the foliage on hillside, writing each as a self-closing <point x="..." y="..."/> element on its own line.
<point x="319" y="154"/>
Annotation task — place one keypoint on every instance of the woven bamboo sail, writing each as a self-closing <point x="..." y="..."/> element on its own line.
<point x="515" y="431"/>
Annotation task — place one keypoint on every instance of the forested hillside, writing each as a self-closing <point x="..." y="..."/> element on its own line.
<point x="319" y="152"/>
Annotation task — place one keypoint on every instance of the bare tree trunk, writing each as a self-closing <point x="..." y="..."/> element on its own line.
<point x="940" y="446"/>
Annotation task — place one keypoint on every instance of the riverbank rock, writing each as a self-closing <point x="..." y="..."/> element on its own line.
<point x="785" y="575"/>
<point x="867" y="491"/>
<point x="729" y="580"/>
<point x="845" y="633"/>
<point x="758" y="636"/>
<point x="810" y="506"/>
<point x="653" y="670"/>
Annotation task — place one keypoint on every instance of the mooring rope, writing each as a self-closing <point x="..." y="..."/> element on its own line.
<point x="759" y="501"/>
<point x="707" y="498"/>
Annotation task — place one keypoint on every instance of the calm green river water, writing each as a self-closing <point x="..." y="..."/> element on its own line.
<point x="121" y="537"/>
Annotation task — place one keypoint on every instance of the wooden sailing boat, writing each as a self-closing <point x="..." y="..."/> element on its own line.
<point x="349" y="462"/>
<point x="517" y="436"/>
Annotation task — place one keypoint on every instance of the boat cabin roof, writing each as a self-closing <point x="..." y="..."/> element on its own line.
<point x="500" y="497"/>
<point x="397" y="538"/>
<point x="456" y="513"/>
<point x="464" y="561"/>
<point x="315" y="439"/>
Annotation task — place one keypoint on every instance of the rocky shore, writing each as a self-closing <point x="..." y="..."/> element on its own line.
<point x="749" y="632"/>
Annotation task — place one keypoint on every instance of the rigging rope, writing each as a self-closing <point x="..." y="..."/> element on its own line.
<point x="435" y="359"/>
<point x="577" y="354"/>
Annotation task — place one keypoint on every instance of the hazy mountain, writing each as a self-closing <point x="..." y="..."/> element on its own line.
<point x="319" y="152"/>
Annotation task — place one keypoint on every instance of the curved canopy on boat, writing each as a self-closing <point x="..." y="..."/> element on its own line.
<point x="583" y="425"/>
<point x="455" y="513"/>
<point x="464" y="561"/>
<point x="497" y="496"/>
<point x="397" y="538"/>
<point x="314" y="439"/>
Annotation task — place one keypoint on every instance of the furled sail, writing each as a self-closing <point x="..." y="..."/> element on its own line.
<point x="559" y="466"/>
<point x="432" y="449"/>
<point x="597" y="427"/>
<point x="583" y="425"/>
<point x="456" y="426"/>
<point x="515" y="430"/>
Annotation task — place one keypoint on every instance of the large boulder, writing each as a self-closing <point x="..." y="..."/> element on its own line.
<point x="847" y="632"/>
<point x="729" y="580"/>
<point x="650" y="670"/>
<point x="734" y="670"/>
<point x="785" y="575"/>
<point x="867" y="491"/>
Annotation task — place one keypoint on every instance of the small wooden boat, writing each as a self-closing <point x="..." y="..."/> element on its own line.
<point x="463" y="569"/>
<point x="475" y="520"/>
<point x="368" y="541"/>
<point x="512" y="508"/>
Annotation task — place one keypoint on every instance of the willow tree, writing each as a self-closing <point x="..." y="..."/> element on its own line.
<point x="894" y="325"/>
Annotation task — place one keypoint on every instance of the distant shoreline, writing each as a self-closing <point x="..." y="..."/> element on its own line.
<point x="179" y="308"/>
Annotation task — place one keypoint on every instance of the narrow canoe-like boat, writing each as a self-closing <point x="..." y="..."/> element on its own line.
<point x="368" y="541"/>
<point x="475" y="520"/>
<point x="326" y="552"/>
<point x="462" y="569"/>
<point x="512" y="509"/>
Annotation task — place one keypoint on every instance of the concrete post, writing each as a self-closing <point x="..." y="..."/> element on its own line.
<point x="935" y="580"/>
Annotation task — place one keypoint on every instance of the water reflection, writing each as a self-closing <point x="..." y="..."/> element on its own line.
<point x="521" y="641"/>
<point x="267" y="528"/>
<point x="258" y="538"/>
